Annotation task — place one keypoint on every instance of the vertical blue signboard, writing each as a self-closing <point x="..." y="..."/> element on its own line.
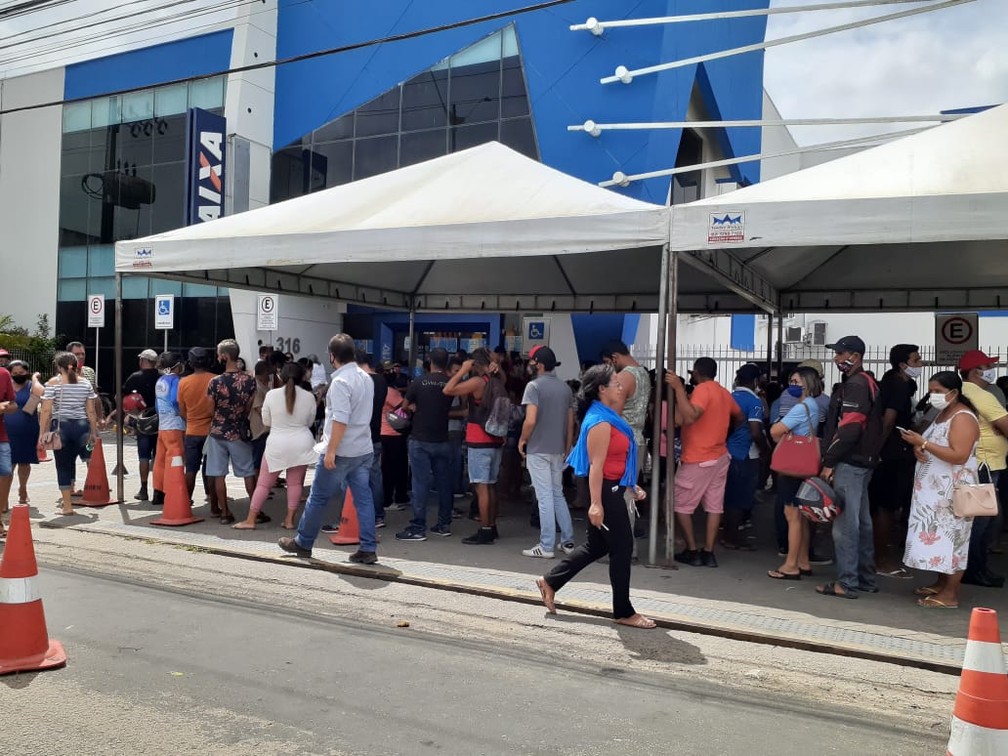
<point x="205" y="164"/>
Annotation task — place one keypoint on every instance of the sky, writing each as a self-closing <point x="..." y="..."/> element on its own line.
<point x="952" y="58"/>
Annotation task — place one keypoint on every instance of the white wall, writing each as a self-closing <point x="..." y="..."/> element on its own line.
<point x="310" y="322"/>
<point x="29" y="195"/>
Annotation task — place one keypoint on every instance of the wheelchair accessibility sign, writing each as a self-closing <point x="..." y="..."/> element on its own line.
<point x="535" y="333"/>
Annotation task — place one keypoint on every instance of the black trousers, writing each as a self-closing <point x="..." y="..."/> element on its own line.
<point x="395" y="469"/>
<point x="617" y="542"/>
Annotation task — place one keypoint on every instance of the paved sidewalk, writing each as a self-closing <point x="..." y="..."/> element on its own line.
<point x="736" y="600"/>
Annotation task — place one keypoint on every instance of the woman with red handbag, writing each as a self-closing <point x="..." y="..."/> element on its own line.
<point x="796" y="458"/>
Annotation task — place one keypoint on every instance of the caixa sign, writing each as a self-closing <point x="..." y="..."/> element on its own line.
<point x="205" y="167"/>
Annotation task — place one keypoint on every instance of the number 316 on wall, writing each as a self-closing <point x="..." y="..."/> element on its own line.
<point x="288" y="345"/>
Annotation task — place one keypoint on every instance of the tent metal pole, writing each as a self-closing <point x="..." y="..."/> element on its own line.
<point x="671" y="354"/>
<point x="769" y="344"/>
<point x="412" y="337"/>
<point x="656" y="419"/>
<point x="120" y="466"/>
<point x="780" y="346"/>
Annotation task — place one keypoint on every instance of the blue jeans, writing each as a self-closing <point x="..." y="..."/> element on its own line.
<point x="431" y="463"/>
<point x="853" y="543"/>
<point x="74" y="435"/>
<point x="976" y="563"/>
<point x="546" y="472"/>
<point x="455" y="441"/>
<point x="350" y="472"/>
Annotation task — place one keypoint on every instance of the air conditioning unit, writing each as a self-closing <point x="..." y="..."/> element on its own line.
<point x="793" y="335"/>
<point x="818" y="333"/>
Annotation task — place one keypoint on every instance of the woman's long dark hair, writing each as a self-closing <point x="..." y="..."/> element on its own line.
<point x="292" y="374"/>
<point x="67" y="361"/>
<point x="951" y="380"/>
<point x="594" y="379"/>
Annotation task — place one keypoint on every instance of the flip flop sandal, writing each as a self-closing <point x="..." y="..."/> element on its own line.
<point x="540" y="584"/>
<point x="778" y="575"/>
<point x="641" y="623"/>
<point x="829" y="589"/>
<point x="899" y="574"/>
<point x="930" y="602"/>
<point x="804" y="573"/>
<point x="925" y="591"/>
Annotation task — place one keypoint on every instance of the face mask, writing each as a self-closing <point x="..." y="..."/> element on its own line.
<point x="795" y="391"/>
<point x="938" y="401"/>
<point x="989" y="375"/>
<point x="845" y="367"/>
<point x="19" y="378"/>
<point x="913" y="372"/>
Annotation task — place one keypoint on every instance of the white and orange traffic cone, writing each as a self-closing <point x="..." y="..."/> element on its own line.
<point x="24" y="641"/>
<point x="177" y="506"/>
<point x="97" y="492"/>
<point x="980" y="718"/>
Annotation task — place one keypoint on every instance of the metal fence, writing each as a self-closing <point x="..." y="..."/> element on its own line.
<point x="729" y="360"/>
<point x="38" y="363"/>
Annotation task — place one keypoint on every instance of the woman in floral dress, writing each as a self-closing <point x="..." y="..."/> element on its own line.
<point x="937" y="540"/>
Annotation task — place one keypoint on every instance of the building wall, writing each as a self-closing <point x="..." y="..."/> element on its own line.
<point x="29" y="195"/>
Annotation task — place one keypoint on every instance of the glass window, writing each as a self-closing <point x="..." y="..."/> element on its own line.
<point x="76" y="116"/>
<point x="73" y="262"/>
<point x="425" y="101"/>
<point x="134" y="143"/>
<point x="330" y="165"/>
<point x="464" y="137"/>
<point x="509" y="42"/>
<point x="164" y="286"/>
<point x="169" y="139"/>
<point x="171" y="100"/>
<point x="72" y="290"/>
<point x="75" y="208"/>
<point x="514" y="95"/>
<point x="287" y="178"/>
<point x="207" y="93"/>
<point x="341" y="128"/>
<point x="168" y="209"/>
<point x="198" y="290"/>
<point x="519" y="134"/>
<point x="417" y="146"/>
<point x="103" y="285"/>
<point x="106" y="111"/>
<point x="76" y="157"/>
<point x="135" y="194"/>
<point x="135" y="287"/>
<point x="475" y="93"/>
<point x="136" y="106"/>
<point x="483" y="51"/>
<point x="380" y="116"/>
<point x="101" y="260"/>
<point x="374" y="156"/>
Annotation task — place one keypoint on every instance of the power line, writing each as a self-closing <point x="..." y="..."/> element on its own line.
<point x="307" y="56"/>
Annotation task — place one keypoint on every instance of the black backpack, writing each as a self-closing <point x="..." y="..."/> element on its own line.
<point x="869" y="451"/>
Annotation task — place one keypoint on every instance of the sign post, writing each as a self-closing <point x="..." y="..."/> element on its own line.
<point x="164" y="315"/>
<point x="955" y="335"/>
<point x="96" y="320"/>
<point x="267" y="314"/>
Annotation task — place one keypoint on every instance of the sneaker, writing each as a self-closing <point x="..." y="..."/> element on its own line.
<point x="397" y="507"/>
<point x="410" y="534"/>
<point x="538" y="552"/>
<point x="690" y="557"/>
<point x="363" y="557"/>
<point x="293" y="547"/>
<point x="819" y="560"/>
<point x="707" y="558"/>
<point x="567" y="548"/>
<point x="457" y="514"/>
<point x="441" y="530"/>
<point x="141" y="495"/>
<point x="330" y="529"/>
<point x="482" y="537"/>
<point x="493" y="530"/>
<point x="459" y="495"/>
<point x="379" y="522"/>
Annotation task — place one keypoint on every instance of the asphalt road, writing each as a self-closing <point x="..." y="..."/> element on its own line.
<point x="155" y="670"/>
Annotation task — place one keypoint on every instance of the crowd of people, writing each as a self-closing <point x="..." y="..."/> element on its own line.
<point x="899" y="465"/>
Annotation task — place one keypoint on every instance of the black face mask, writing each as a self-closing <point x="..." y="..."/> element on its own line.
<point x="19" y="378"/>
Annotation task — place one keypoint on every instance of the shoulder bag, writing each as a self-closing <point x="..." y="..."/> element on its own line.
<point x="797" y="456"/>
<point x="975" y="499"/>
<point x="52" y="440"/>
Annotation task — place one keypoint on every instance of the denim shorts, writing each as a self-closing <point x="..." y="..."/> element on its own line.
<point x="145" y="447"/>
<point x="484" y="464"/>
<point x="220" y="452"/>
<point x="194" y="453"/>
<point x="6" y="468"/>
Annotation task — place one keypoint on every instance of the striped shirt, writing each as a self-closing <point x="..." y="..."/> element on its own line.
<point x="70" y="399"/>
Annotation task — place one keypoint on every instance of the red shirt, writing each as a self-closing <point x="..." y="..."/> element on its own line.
<point x="616" y="457"/>
<point x="6" y="395"/>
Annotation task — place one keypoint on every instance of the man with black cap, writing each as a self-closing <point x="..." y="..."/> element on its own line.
<point x="143" y="382"/>
<point x="748" y="447"/>
<point x="853" y="437"/>
<point x="546" y="436"/>
<point x="978" y="375"/>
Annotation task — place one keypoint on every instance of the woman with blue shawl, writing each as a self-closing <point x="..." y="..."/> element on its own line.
<point x="606" y="454"/>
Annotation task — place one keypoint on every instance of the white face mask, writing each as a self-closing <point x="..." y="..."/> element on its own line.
<point x="913" y="372"/>
<point x="989" y="375"/>
<point x="938" y="401"/>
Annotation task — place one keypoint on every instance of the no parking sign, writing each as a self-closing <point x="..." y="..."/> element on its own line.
<point x="955" y="335"/>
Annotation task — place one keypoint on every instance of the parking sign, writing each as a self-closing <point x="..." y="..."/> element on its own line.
<point x="266" y="313"/>
<point x="96" y="310"/>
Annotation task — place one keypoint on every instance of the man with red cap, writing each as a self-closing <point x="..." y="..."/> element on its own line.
<point x="978" y="375"/>
<point x="5" y="357"/>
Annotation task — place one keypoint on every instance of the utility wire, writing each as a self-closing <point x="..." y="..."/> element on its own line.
<point x="308" y="56"/>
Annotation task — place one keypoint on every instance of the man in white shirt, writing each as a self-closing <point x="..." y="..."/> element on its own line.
<point x="345" y="454"/>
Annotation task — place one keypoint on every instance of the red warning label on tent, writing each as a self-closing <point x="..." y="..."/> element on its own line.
<point x="726" y="228"/>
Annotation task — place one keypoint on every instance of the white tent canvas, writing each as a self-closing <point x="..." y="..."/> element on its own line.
<point x="918" y="223"/>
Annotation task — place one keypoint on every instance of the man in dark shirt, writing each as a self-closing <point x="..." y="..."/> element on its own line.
<point x="429" y="449"/>
<point x="142" y="382"/>
<point x="847" y="464"/>
<point x="891" y="485"/>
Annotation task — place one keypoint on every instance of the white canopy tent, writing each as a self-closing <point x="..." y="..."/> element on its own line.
<point x="920" y="223"/>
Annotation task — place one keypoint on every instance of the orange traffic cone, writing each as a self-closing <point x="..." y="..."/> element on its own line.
<point x="96" y="487"/>
<point x="980" y="718"/>
<point x="349" y="528"/>
<point x="24" y="641"/>
<point x="177" y="506"/>
<point x="41" y="453"/>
